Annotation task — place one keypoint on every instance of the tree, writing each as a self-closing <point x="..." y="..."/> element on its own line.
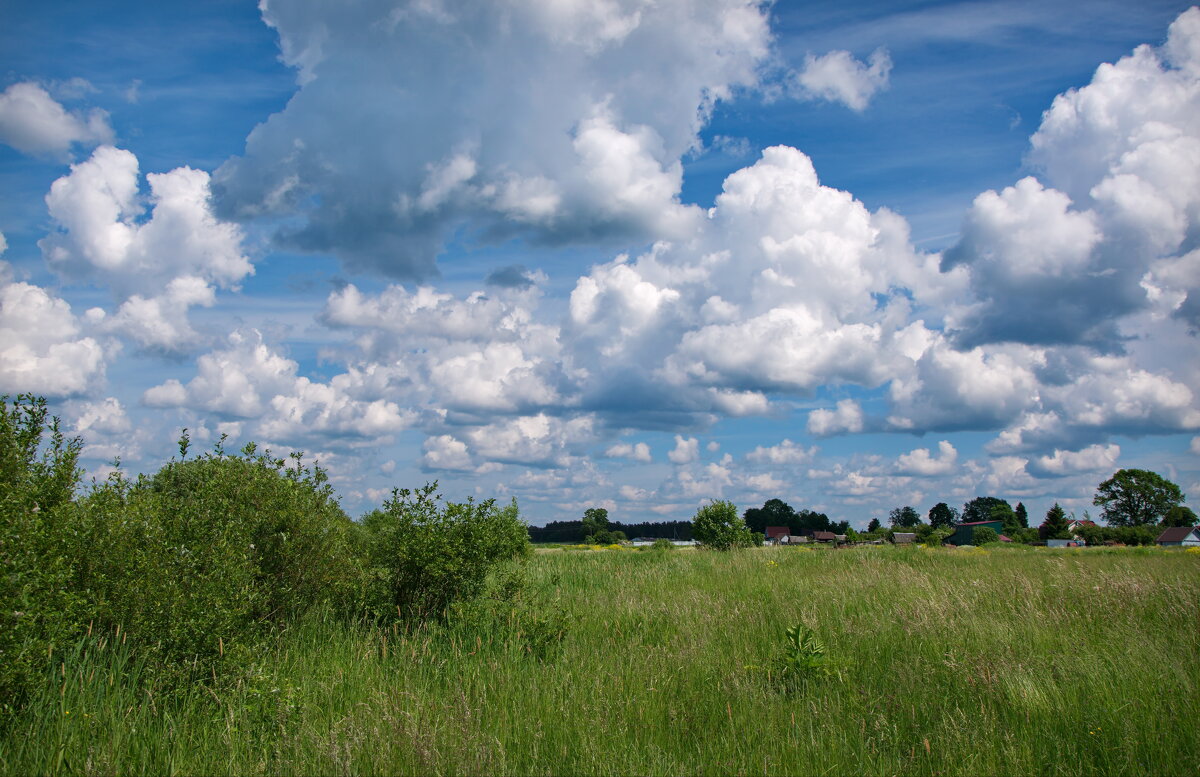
<point x="1055" y="525"/>
<point x="980" y="508"/>
<point x="1008" y="518"/>
<point x="1179" y="516"/>
<point x="1136" y="497"/>
<point x="1022" y="515"/>
<point x="595" y="520"/>
<point x="904" y="517"/>
<point x="942" y="516"/>
<point x="873" y="525"/>
<point x="774" y="512"/>
<point x="717" y="525"/>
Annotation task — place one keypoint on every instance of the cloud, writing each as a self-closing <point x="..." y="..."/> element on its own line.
<point x="249" y="380"/>
<point x="515" y="118"/>
<point x="786" y="453"/>
<point x="43" y="348"/>
<point x="687" y="450"/>
<point x="158" y="267"/>
<point x="1066" y="260"/>
<point x="847" y="417"/>
<point x="839" y="77"/>
<point x="635" y="451"/>
<point x="32" y="122"/>
<point x="922" y="463"/>
<point x="1094" y="458"/>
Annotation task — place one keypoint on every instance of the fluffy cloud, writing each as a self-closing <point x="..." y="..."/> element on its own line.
<point x="1066" y="264"/>
<point x="847" y="417"/>
<point x="786" y="453"/>
<point x="839" y="77"/>
<point x="557" y="133"/>
<point x="33" y="122"/>
<point x="249" y="380"/>
<point x="687" y="450"/>
<point x="43" y="348"/>
<point x="1094" y="458"/>
<point x="157" y="266"/>
<point x="635" y="451"/>
<point x="922" y="463"/>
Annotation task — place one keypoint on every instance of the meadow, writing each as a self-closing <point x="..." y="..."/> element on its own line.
<point x="940" y="661"/>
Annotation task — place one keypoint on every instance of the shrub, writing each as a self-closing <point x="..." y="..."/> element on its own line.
<point x="983" y="535"/>
<point x="38" y="477"/>
<point x="718" y="526"/>
<point x="207" y="553"/>
<point x="663" y="544"/>
<point x="428" y="555"/>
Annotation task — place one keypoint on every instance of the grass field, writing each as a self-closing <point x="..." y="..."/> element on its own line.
<point x="943" y="662"/>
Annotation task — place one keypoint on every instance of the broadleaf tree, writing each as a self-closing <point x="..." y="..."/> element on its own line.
<point x="1136" y="497"/>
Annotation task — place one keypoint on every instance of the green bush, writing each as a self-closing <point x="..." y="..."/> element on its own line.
<point x="208" y="553"/>
<point x="427" y="553"/>
<point x="718" y="526"/>
<point x="983" y="535"/>
<point x="39" y="612"/>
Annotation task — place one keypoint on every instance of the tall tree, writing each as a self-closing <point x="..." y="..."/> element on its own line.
<point x="1136" y="497"/>
<point x="942" y="516"/>
<point x="980" y="508"/>
<point x="873" y="525"/>
<point x="1006" y="515"/>
<point x="718" y="526"/>
<point x="1022" y="515"/>
<point x="904" y="517"/>
<point x="1055" y="525"/>
<point x="1179" y="516"/>
<point x="774" y="512"/>
<point x="595" y="520"/>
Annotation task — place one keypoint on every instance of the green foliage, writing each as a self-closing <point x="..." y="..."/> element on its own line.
<point x="663" y="544"/>
<point x="39" y="612"/>
<point x="1022" y="515"/>
<point x="983" y="535"/>
<point x="1136" y="497"/>
<point x="936" y="537"/>
<point x="607" y="537"/>
<point x="981" y="508"/>
<point x="1179" y="515"/>
<point x="595" y="521"/>
<point x="427" y="553"/>
<point x="1055" y="525"/>
<point x="904" y="517"/>
<point x="942" y="515"/>
<point x="1025" y="536"/>
<point x="1119" y="535"/>
<point x="804" y="658"/>
<point x="717" y="525"/>
<point x="874" y="525"/>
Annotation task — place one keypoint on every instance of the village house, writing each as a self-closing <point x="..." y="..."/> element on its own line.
<point x="964" y="533"/>
<point x="1180" y="536"/>
<point x="904" y="537"/>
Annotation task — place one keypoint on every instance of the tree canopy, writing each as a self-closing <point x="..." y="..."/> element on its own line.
<point x="904" y="517"/>
<point x="1179" y="516"/>
<point x="1136" y="497"/>
<point x="1055" y="525"/>
<point x="981" y="508"/>
<point x="717" y="525"/>
<point x="942" y="515"/>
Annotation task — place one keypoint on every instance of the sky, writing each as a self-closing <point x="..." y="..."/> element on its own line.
<point x="633" y="254"/>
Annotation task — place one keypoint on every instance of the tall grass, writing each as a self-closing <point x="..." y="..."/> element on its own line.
<point x="1010" y="661"/>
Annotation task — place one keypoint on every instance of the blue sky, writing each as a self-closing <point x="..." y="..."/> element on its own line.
<point x="620" y="253"/>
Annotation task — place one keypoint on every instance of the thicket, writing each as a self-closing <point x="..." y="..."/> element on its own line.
<point x="194" y="565"/>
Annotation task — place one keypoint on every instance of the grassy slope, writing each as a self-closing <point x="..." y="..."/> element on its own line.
<point x="1012" y="661"/>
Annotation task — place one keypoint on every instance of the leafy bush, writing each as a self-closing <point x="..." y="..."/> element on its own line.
<point x="38" y="477"/>
<point x="209" y="552"/>
<point x="718" y="526"/>
<point x="663" y="544"/>
<point x="983" y="535"/>
<point x="427" y="555"/>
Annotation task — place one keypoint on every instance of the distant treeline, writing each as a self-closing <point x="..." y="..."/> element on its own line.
<point x="572" y="531"/>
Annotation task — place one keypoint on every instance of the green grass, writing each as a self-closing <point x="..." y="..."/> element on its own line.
<point x="1007" y="661"/>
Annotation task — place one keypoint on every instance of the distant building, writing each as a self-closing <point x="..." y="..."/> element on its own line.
<point x="904" y="537"/>
<point x="824" y="536"/>
<point x="776" y="534"/>
<point x="794" y="539"/>
<point x="1073" y="527"/>
<point x="1064" y="544"/>
<point x="1180" y="536"/>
